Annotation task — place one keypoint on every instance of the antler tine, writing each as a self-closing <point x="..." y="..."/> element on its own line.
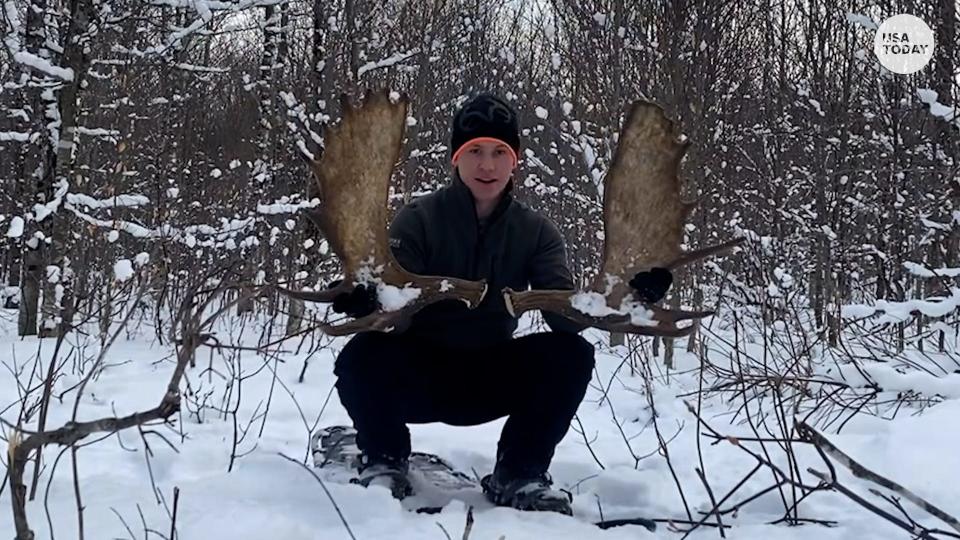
<point x="352" y="179"/>
<point x="643" y="219"/>
<point x="688" y="257"/>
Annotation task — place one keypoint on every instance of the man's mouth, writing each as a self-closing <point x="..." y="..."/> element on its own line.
<point x="485" y="181"/>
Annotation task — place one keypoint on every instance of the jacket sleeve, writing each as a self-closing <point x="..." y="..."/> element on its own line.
<point x="549" y="270"/>
<point x="407" y="240"/>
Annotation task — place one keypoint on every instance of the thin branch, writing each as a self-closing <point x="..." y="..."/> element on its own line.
<point x="325" y="490"/>
<point x="713" y="500"/>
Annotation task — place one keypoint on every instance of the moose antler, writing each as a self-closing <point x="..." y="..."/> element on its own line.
<point x="643" y="220"/>
<point x="352" y="180"/>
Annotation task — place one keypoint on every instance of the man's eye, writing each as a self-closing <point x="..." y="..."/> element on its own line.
<point x="474" y="150"/>
<point x="501" y="151"/>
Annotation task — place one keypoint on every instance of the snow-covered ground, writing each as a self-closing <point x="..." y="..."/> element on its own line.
<point x="266" y="496"/>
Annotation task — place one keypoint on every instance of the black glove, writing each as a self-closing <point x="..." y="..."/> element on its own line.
<point x="359" y="302"/>
<point x="652" y="285"/>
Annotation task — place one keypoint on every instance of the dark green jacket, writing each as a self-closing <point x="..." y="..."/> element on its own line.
<point x="439" y="234"/>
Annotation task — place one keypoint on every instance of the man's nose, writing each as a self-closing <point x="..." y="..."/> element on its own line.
<point x="486" y="163"/>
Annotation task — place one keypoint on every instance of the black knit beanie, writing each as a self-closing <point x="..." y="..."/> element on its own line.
<point x="485" y="116"/>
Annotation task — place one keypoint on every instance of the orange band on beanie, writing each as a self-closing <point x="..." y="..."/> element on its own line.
<point x="467" y="144"/>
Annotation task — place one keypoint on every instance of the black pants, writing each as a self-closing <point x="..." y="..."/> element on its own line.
<point x="386" y="381"/>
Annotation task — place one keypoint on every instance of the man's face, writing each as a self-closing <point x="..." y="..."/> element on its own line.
<point x="486" y="168"/>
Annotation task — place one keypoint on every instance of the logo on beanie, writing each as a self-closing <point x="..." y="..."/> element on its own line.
<point x="478" y="115"/>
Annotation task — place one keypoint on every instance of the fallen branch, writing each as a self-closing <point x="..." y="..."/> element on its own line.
<point x="834" y="484"/>
<point x="814" y="437"/>
<point x="68" y="435"/>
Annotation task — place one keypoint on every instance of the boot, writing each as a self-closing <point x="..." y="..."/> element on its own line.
<point x="525" y="492"/>
<point x="384" y="471"/>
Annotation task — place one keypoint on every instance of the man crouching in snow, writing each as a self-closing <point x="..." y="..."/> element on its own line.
<point x="461" y="366"/>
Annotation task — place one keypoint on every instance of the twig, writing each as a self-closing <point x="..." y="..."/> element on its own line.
<point x="469" y="526"/>
<point x="325" y="490"/>
<point x="124" y="522"/>
<point x="663" y="444"/>
<point x="674" y="522"/>
<point x="173" y="521"/>
<point x="45" y="408"/>
<point x="702" y="468"/>
<point x="143" y="521"/>
<point x="713" y="500"/>
<point x="46" y="493"/>
<point x="147" y="454"/>
<point x="785" y="479"/>
<point x="833" y="484"/>
<point x="76" y="490"/>
<point x="586" y="441"/>
<point x="643" y="522"/>
<point x="895" y="502"/>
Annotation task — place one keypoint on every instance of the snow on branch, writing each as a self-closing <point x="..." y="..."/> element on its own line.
<point x="282" y="206"/>
<point x="184" y="4"/>
<point x="950" y="114"/>
<point x="6" y="136"/>
<point x="12" y="18"/>
<point x="297" y="110"/>
<point x="862" y="20"/>
<point x="164" y="231"/>
<point x="108" y="134"/>
<point x="923" y="271"/>
<point x="534" y="160"/>
<point x="890" y="379"/>
<point x="434" y="151"/>
<point x="126" y="201"/>
<point x="43" y="65"/>
<point x="133" y="229"/>
<point x="201" y="69"/>
<point x="901" y="311"/>
<point x="392" y="60"/>
<point x="42" y="211"/>
<point x="935" y="225"/>
<point x="205" y="9"/>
